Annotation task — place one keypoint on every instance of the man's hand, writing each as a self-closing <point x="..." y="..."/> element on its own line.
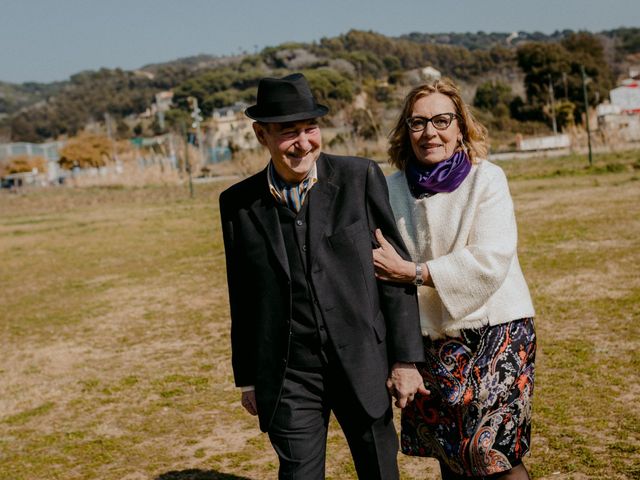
<point x="249" y="402"/>
<point x="404" y="382"/>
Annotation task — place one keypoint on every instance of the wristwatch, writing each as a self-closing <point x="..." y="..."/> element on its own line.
<point x="418" y="280"/>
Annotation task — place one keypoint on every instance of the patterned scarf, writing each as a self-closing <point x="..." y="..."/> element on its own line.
<point x="445" y="176"/>
<point x="291" y="195"/>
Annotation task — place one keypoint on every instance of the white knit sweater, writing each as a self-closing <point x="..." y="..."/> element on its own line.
<point x="468" y="239"/>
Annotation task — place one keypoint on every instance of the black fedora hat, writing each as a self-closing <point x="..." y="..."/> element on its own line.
<point x="287" y="99"/>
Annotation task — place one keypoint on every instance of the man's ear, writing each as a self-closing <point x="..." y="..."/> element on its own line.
<point x="260" y="133"/>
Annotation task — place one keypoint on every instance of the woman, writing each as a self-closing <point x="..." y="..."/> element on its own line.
<point x="456" y="217"/>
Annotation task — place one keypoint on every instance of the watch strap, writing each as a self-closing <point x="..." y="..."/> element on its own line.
<point x="418" y="281"/>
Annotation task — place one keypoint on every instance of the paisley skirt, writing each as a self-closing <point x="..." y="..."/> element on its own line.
<point x="477" y="419"/>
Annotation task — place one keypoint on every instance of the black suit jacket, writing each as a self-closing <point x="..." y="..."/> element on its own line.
<point x="371" y="324"/>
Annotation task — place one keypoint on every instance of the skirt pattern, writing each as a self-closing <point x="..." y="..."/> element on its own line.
<point x="477" y="419"/>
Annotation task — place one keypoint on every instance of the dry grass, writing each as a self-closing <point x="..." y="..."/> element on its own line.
<point x="115" y="345"/>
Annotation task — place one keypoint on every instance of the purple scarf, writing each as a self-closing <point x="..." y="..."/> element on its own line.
<point x="445" y="176"/>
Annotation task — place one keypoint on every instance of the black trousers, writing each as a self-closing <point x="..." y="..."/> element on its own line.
<point x="298" y="432"/>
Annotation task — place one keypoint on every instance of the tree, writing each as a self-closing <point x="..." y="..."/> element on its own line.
<point x="540" y="62"/>
<point x="565" y="113"/>
<point x="122" y="129"/>
<point x="175" y="118"/>
<point x="364" y="125"/>
<point x="587" y="50"/>
<point x="330" y="87"/>
<point x="86" y="151"/>
<point x="556" y="65"/>
<point x="494" y="96"/>
<point x="217" y="88"/>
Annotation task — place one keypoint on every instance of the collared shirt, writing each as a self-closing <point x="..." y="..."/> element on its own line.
<point x="291" y="195"/>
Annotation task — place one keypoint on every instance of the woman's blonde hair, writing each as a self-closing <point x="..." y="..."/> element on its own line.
<point x="474" y="134"/>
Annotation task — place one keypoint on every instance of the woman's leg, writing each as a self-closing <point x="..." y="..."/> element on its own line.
<point x="519" y="472"/>
<point x="449" y="475"/>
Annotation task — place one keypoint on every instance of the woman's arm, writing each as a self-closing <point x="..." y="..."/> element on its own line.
<point x="470" y="274"/>
<point x="393" y="268"/>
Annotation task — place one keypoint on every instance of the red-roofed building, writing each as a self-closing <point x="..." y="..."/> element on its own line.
<point x="627" y="96"/>
<point x="620" y="119"/>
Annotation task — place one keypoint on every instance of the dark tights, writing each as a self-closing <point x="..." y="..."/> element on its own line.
<point x="519" y="472"/>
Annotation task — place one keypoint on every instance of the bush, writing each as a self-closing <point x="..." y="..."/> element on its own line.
<point x="24" y="163"/>
<point x="86" y="151"/>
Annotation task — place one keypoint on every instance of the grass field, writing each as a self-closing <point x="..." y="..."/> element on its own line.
<point x="114" y="342"/>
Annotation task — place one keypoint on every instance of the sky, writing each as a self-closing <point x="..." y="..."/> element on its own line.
<point x="49" y="40"/>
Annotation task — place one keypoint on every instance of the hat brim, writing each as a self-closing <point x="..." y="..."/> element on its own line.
<point x="254" y="113"/>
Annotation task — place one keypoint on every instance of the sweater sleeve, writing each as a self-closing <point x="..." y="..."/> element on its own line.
<point x="468" y="276"/>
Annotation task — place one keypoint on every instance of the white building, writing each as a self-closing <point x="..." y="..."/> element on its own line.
<point x="620" y="119"/>
<point x="627" y="96"/>
<point x="430" y="74"/>
<point x="229" y="126"/>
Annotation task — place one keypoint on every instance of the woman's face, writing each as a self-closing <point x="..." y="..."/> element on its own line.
<point x="431" y="145"/>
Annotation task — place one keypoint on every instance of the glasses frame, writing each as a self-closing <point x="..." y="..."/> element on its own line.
<point x="451" y="116"/>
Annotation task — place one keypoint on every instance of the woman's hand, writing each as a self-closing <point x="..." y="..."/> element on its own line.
<point x="389" y="265"/>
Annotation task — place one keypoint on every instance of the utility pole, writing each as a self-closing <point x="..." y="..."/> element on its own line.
<point x="553" y="107"/>
<point x="187" y="163"/>
<point x="586" y="111"/>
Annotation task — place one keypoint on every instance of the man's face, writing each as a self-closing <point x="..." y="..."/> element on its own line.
<point x="294" y="147"/>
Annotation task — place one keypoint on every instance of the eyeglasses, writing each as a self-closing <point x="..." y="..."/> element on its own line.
<point x="440" y="122"/>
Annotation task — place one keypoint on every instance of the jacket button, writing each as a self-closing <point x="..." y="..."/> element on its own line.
<point x="299" y="223"/>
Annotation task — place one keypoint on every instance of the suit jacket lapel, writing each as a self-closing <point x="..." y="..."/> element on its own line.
<point x="265" y="214"/>
<point x="321" y="199"/>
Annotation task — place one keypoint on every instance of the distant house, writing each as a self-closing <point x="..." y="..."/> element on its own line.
<point x="430" y="74"/>
<point x="616" y="124"/>
<point x="231" y="128"/>
<point x="620" y="119"/>
<point x="418" y="76"/>
<point x="627" y="96"/>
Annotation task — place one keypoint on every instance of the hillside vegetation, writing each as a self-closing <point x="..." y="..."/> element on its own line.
<point x="512" y="73"/>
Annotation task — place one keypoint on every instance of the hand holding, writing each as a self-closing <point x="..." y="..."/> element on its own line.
<point x="404" y="382"/>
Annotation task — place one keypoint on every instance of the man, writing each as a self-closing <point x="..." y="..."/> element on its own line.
<point x="312" y="331"/>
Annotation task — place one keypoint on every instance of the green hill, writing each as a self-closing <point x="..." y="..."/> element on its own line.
<point x="339" y="68"/>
